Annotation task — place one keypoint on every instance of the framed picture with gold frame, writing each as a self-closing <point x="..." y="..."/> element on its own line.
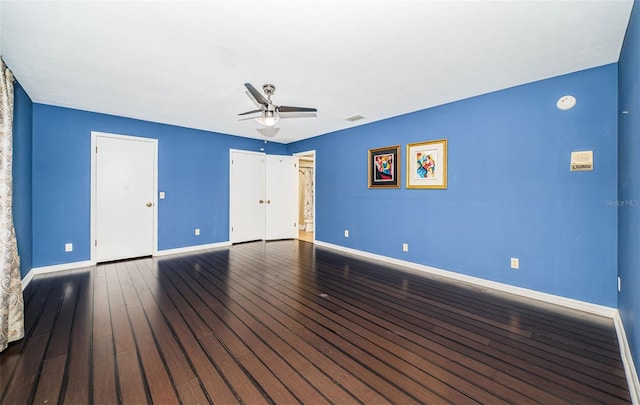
<point x="384" y="167"/>
<point x="427" y="164"/>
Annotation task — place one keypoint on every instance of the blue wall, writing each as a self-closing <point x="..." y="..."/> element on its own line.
<point x="510" y="191"/>
<point x="629" y="184"/>
<point x="22" y="201"/>
<point x="193" y="172"/>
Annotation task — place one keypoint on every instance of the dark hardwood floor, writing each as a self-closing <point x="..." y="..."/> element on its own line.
<point x="286" y="322"/>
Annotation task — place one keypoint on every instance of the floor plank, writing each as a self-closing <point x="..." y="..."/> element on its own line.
<point x="290" y="322"/>
<point x="77" y="384"/>
<point x="181" y="316"/>
<point x="9" y="359"/>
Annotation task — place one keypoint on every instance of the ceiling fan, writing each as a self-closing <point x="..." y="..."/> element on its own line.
<point x="270" y="113"/>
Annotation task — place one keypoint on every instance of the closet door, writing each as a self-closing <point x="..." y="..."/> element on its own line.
<point x="124" y="197"/>
<point x="263" y="197"/>
<point x="247" y="200"/>
<point x="281" y="188"/>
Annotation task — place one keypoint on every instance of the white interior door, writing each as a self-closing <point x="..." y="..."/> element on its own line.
<point x="281" y="197"/>
<point x="247" y="200"/>
<point x="124" y="197"/>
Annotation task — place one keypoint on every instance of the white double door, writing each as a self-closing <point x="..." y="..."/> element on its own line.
<point x="263" y="196"/>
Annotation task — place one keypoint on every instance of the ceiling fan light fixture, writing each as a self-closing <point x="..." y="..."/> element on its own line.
<point x="269" y="119"/>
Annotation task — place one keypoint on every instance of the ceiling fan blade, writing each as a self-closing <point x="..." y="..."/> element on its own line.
<point x="250" y="112"/>
<point x="256" y="94"/>
<point x="286" y="109"/>
<point x="297" y="115"/>
<point x="249" y="118"/>
<point x="268" y="131"/>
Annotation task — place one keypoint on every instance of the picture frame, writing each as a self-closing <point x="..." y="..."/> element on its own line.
<point x="427" y="164"/>
<point x="384" y="167"/>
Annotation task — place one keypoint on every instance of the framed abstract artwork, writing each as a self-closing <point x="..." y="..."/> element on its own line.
<point x="427" y="164"/>
<point x="384" y="167"/>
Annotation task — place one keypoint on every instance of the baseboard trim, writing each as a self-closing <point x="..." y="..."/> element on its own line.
<point x="51" y="269"/>
<point x="627" y="360"/>
<point x="61" y="267"/>
<point x="190" y="249"/>
<point x="550" y="298"/>
<point x="78" y="265"/>
<point x="524" y="292"/>
<point x="27" y="279"/>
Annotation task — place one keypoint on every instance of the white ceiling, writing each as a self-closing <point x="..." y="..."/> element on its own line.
<point x="185" y="63"/>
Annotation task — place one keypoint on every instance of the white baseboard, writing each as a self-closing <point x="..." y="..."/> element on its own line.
<point x="27" y="279"/>
<point x="50" y="269"/>
<point x="524" y="292"/>
<point x="77" y="265"/>
<point x="627" y="360"/>
<point x="554" y="299"/>
<point x="61" y="267"/>
<point x="189" y="249"/>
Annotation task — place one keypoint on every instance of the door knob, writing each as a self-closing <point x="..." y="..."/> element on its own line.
<point x="268" y="201"/>
<point x="261" y="201"/>
<point x="149" y="204"/>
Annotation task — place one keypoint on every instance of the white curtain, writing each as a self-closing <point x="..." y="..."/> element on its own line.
<point x="11" y="301"/>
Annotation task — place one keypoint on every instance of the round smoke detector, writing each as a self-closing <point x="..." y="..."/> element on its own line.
<point x="566" y="103"/>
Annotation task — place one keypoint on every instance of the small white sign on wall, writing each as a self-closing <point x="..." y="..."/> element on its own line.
<point x="582" y="161"/>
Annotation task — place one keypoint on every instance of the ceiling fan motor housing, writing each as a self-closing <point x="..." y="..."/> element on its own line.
<point x="270" y="108"/>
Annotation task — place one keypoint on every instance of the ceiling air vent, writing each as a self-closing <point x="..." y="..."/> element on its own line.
<point x="356" y="117"/>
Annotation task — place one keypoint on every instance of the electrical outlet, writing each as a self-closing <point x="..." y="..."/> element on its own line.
<point x="405" y="247"/>
<point x="346" y="233"/>
<point x="68" y="247"/>
<point x="197" y="232"/>
<point x="515" y="263"/>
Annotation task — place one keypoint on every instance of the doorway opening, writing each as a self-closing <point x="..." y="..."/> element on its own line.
<point x="306" y="195"/>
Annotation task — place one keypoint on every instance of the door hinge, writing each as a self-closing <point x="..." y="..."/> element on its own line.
<point x="295" y="165"/>
<point x="294" y="224"/>
<point x="95" y="243"/>
<point x="231" y="229"/>
<point x="96" y="149"/>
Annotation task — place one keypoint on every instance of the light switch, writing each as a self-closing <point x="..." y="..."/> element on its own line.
<point x="162" y="195"/>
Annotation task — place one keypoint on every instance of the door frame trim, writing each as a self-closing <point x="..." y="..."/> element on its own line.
<point x="94" y="138"/>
